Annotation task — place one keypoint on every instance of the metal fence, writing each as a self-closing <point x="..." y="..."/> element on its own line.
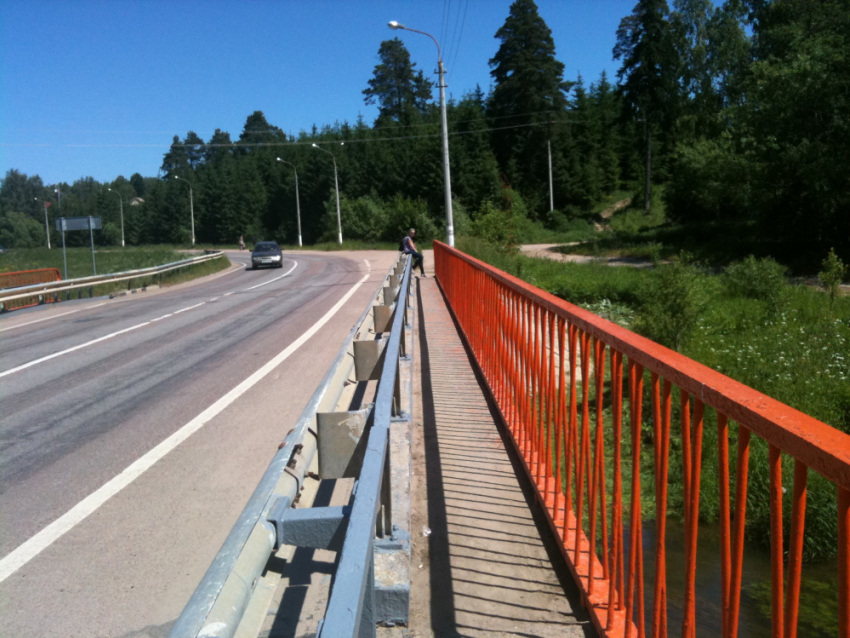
<point x="28" y="278"/>
<point x="219" y="604"/>
<point x="49" y="290"/>
<point x="547" y="364"/>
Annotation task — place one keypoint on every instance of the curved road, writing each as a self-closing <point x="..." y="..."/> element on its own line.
<point x="133" y="431"/>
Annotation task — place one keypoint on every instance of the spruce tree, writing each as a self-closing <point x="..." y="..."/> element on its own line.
<point x="399" y="90"/>
<point x="647" y="78"/>
<point x="529" y="90"/>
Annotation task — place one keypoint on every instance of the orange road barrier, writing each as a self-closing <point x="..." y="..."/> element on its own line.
<point x="29" y="278"/>
<point x="546" y="362"/>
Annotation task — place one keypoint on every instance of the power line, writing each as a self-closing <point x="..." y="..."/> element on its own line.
<point x="460" y="37"/>
<point x="237" y="145"/>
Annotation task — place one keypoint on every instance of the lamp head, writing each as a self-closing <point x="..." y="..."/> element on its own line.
<point x="315" y="145"/>
<point x="278" y="159"/>
<point x="395" y="25"/>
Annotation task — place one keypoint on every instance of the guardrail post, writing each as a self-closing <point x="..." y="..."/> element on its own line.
<point x="384" y="526"/>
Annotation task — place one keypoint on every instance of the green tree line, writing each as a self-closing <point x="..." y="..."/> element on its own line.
<point x="740" y="109"/>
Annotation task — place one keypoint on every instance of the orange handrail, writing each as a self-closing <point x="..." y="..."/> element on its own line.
<point x="28" y="278"/>
<point x="544" y="362"/>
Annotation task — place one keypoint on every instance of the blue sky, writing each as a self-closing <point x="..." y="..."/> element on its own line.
<point x="99" y="88"/>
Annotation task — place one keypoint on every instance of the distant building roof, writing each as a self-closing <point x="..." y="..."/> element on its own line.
<point x="136" y="201"/>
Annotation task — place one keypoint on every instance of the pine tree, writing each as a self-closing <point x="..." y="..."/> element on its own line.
<point x="399" y="90"/>
<point x="648" y="76"/>
<point x="528" y="92"/>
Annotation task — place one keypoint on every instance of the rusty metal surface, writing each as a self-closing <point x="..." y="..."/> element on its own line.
<point x="28" y="278"/>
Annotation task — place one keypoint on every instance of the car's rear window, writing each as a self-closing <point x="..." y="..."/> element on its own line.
<point x="266" y="245"/>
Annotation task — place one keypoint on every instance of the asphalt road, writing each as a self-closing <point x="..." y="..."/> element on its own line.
<point x="107" y="519"/>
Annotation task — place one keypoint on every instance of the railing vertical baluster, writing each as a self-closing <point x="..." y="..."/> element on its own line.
<point x="741" y="480"/>
<point x="583" y="441"/>
<point x="571" y="427"/>
<point x="601" y="461"/>
<point x="776" y="543"/>
<point x="561" y="415"/>
<point x="843" y="563"/>
<point x="725" y="551"/>
<point x="551" y="396"/>
<point x="595" y="460"/>
<point x="616" y="585"/>
<point x="689" y="624"/>
<point x="795" y="549"/>
<point x="659" y="620"/>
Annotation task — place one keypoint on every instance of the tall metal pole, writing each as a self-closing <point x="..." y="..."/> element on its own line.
<point x="91" y="237"/>
<point x="64" y="255"/>
<point x="191" y="206"/>
<point x="298" y="199"/>
<point x="551" y="196"/>
<point x="338" y="216"/>
<point x="450" y="227"/>
<point x="192" y="213"/>
<point x="121" y="199"/>
<point x="336" y="185"/>
<point x="298" y="209"/>
<point x="46" y="225"/>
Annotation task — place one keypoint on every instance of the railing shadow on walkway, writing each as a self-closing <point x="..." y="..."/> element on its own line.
<point x="487" y="579"/>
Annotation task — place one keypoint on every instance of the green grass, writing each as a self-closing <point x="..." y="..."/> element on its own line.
<point x="798" y="353"/>
<point x="109" y="260"/>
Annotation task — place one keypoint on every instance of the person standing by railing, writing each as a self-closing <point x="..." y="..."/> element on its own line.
<point x="410" y="249"/>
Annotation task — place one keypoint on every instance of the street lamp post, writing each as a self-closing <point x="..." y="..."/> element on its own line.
<point x="191" y="206"/>
<point x="336" y="185"/>
<point x="46" y="225"/>
<point x="298" y="200"/>
<point x="450" y="228"/>
<point x="121" y="199"/>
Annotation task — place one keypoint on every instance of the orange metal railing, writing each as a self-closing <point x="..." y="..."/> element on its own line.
<point x="545" y="361"/>
<point x="28" y="278"/>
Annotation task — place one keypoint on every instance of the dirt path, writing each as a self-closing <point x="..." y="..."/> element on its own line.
<point x="550" y="251"/>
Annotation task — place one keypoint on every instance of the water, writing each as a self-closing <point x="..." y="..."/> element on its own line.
<point x="818" y="597"/>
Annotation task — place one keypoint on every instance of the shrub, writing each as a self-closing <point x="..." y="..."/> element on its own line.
<point x="671" y="304"/>
<point x="762" y="279"/>
<point x="832" y="275"/>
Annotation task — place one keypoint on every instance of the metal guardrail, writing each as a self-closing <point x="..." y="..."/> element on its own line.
<point x="544" y="361"/>
<point x="269" y="521"/>
<point x="55" y="287"/>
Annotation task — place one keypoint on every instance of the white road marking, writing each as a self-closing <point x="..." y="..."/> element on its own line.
<point x="294" y="266"/>
<point x="32" y="547"/>
<point x="94" y="341"/>
<point x="79" y="347"/>
<point x="214" y="299"/>
<point x="177" y="312"/>
<point x="70" y="312"/>
<point x="227" y="294"/>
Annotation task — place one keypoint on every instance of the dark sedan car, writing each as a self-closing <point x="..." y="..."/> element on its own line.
<point x="266" y="253"/>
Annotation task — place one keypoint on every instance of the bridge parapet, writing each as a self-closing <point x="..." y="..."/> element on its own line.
<point x="544" y="361"/>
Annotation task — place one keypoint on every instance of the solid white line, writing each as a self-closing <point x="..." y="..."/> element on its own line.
<point x="294" y="266"/>
<point x="29" y="549"/>
<point x="79" y="347"/>
<point x="170" y="314"/>
<point x="70" y="312"/>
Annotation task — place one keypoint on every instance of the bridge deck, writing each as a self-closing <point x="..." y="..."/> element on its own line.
<point x="489" y="566"/>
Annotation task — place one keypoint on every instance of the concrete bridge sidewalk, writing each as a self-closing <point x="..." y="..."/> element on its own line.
<point x="484" y="560"/>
